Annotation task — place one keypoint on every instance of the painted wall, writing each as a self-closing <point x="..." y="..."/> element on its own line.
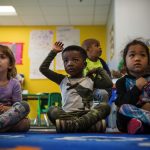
<point x="22" y="33"/>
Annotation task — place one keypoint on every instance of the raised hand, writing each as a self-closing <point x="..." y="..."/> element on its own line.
<point x="58" y="47"/>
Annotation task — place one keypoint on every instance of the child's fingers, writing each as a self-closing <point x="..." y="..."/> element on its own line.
<point x="59" y="44"/>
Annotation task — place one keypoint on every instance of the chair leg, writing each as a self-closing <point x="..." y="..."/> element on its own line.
<point x="46" y="120"/>
<point x="35" y="122"/>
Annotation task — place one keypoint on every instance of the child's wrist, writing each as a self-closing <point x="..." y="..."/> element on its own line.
<point x="54" y="51"/>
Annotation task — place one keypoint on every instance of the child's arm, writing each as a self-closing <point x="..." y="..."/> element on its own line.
<point x="102" y="81"/>
<point x="105" y="66"/>
<point x="142" y="83"/>
<point x="44" y="68"/>
<point x="16" y="91"/>
<point x="146" y="106"/>
<point x="126" y="97"/>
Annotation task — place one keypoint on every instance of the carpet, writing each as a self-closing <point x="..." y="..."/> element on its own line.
<point x="34" y="140"/>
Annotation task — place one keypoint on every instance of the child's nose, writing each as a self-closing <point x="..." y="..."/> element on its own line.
<point x="137" y="57"/>
<point x="70" y="62"/>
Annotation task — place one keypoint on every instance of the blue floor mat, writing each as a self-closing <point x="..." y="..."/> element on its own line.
<point x="87" y="141"/>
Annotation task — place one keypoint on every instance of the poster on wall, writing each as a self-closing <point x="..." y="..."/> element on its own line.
<point x="17" y="49"/>
<point x="39" y="46"/>
<point x="69" y="36"/>
<point x="112" y="51"/>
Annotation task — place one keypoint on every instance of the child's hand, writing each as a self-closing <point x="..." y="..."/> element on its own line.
<point x="58" y="47"/>
<point x="141" y="82"/>
<point x="92" y="71"/>
<point x="3" y="108"/>
<point x="146" y="106"/>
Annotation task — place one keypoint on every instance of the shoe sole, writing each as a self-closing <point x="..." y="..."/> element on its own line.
<point x="103" y="125"/>
<point x="134" y="127"/>
<point x="58" y="126"/>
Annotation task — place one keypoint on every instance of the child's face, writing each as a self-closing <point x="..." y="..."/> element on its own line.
<point x="73" y="63"/>
<point x="4" y="62"/>
<point x="94" y="51"/>
<point x="136" y="60"/>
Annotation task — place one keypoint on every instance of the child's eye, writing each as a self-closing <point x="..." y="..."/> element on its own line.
<point x="2" y="56"/>
<point x="65" y="61"/>
<point x="97" y="45"/>
<point x="143" y="55"/>
<point x="75" y="60"/>
<point x="131" y="55"/>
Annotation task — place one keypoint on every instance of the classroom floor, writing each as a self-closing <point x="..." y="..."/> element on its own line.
<point x="41" y="138"/>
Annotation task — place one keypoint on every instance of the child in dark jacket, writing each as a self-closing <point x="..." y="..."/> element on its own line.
<point x="133" y="90"/>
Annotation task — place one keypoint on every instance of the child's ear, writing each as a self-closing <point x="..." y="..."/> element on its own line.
<point x="9" y="67"/>
<point x="85" y="63"/>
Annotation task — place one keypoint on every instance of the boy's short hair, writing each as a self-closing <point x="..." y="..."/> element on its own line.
<point x="88" y="42"/>
<point x="76" y="48"/>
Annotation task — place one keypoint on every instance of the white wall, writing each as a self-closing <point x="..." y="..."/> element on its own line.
<point x="110" y="24"/>
<point x="131" y="20"/>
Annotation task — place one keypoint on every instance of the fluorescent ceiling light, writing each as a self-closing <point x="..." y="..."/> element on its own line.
<point x="7" y="11"/>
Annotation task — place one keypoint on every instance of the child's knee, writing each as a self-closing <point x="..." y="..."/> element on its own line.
<point x="103" y="106"/>
<point x="22" y="106"/>
<point x="21" y="126"/>
<point x="52" y="113"/>
<point x="24" y="125"/>
<point x="101" y="95"/>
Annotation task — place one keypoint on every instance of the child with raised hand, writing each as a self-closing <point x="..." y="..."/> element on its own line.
<point x="133" y="90"/>
<point x="76" y="114"/>
<point x="97" y="67"/>
<point x="12" y="109"/>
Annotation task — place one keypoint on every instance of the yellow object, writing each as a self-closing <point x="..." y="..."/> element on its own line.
<point x="92" y="65"/>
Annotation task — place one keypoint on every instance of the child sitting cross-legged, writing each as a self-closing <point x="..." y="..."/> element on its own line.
<point x="133" y="90"/>
<point x="13" y="110"/>
<point x="76" y="114"/>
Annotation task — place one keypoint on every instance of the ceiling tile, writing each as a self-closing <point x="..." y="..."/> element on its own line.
<point x="80" y="2"/>
<point x="54" y="10"/>
<point x="13" y="20"/>
<point x="103" y="2"/>
<point x="5" y="2"/>
<point x="52" y="2"/>
<point x="81" y="20"/>
<point x="59" y="20"/>
<point x="23" y="10"/>
<point x="32" y="20"/>
<point x="25" y="2"/>
<point x="101" y="10"/>
<point x="74" y="10"/>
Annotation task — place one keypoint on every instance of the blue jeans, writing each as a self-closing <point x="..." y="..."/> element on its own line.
<point x="100" y="95"/>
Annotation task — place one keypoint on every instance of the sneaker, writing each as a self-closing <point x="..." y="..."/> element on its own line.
<point x="103" y="125"/>
<point x="135" y="126"/>
<point x="100" y="127"/>
<point x="66" y="126"/>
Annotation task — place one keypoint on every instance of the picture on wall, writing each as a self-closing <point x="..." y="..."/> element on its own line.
<point x="17" y="49"/>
